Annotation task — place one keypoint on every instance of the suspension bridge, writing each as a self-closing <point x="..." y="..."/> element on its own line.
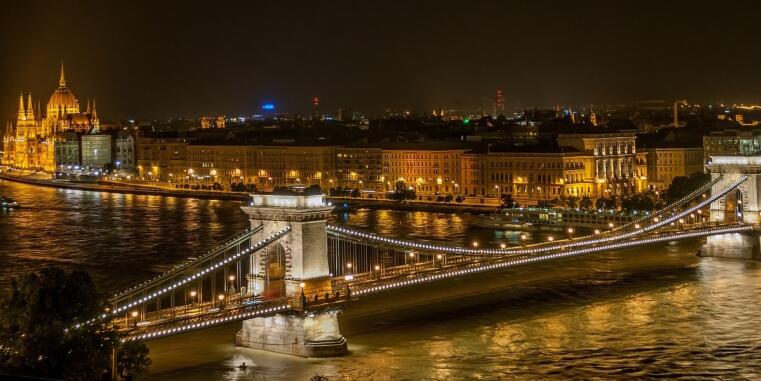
<point x="288" y="276"/>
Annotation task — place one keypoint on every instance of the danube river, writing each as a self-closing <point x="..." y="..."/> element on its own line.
<point x="654" y="312"/>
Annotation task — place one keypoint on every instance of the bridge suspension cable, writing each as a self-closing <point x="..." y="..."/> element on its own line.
<point x="657" y="213"/>
<point x="210" y="268"/>
<point x="515" y="261"/>
<point x="219" y="249"/>
<point x="545" y="248"/>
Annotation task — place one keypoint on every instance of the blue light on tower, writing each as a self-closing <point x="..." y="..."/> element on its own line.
<point x="268" y="106"/>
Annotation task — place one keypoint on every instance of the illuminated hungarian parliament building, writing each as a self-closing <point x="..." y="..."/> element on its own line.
<point x="38" y="142"/>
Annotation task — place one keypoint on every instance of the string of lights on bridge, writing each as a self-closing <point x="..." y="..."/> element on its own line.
<point x="210" y="253"/>
<point x="545" y="257"/>
<point x="209" y="323"/>
<point x="258" y="246"/>
<point x="658" y="223"/>
<point x="650" y="216"/>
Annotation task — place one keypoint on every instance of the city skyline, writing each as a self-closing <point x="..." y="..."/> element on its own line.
<point x="147" y="61"/>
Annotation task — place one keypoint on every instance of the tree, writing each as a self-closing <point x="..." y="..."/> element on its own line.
<point x="459" y="199"/>
<point x="38" y="327"/>
<point x="132" y="359"/>
<point x="572" y="202"/>
<point x="508" y="201"/>
<point x="684" y="185"/>
<point x="401" y="192"/>
<point x="600" y="203"/>
<point x="585" y="203"/>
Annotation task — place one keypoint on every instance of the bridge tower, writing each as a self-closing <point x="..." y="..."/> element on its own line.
<point x="297" y="268"/>
<point x="742" y="204"/>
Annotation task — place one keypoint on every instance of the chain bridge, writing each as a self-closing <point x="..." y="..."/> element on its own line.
<point x="288" y="276"/>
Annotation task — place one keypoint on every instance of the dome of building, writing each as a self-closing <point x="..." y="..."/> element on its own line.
<point x="63" y="98"/>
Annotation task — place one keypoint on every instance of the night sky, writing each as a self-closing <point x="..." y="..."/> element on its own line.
<point x="161" y="59"/>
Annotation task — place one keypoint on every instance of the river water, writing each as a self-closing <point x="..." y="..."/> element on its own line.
<point x="658" y="312"/>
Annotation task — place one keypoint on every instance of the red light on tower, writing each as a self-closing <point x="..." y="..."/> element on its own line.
<point x="499" y="103"/>
<point x="315" y="101"/>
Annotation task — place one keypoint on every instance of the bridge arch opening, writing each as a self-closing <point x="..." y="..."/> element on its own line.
<point x="275" y="270"/>
<point x="733" y="207"/>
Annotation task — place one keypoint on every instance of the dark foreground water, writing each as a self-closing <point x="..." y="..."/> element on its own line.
<point x="651" y="313"/>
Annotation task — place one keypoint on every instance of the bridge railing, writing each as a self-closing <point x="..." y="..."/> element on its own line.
<point x="208" y="319"/>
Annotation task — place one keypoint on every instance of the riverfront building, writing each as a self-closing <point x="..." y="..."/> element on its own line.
<point x="30" y="142"/>
<point x="574" y="165"/>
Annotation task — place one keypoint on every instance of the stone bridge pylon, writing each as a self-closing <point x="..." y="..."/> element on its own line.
<point x="296" y="267"/>
<point x="741" y="204"/>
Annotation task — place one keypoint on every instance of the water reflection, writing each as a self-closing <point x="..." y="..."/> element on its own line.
<point x="655" y="312"/>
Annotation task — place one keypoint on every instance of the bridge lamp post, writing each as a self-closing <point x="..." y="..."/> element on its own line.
<point x="412" y="257"/>
<point x="597" y="231"/>
<point x="502" y="245"/>
<point x="570" y="230"/>
<point x="221" y="299"/>
<point x="550" y="238"/>
<point x="231" y="278"/>
<point x="524" y="237"/>
<point x="192" y="300"/>
<point x="134" y="316"/>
